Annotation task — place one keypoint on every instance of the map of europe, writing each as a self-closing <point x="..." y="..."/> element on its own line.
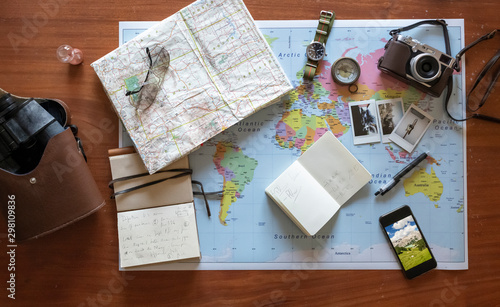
<point x="251" y="231"/>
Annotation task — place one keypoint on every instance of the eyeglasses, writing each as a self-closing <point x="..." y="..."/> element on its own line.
<point x="143" y="96"/>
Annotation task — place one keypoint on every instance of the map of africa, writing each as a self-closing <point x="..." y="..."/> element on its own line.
<point x="251" y="231"/>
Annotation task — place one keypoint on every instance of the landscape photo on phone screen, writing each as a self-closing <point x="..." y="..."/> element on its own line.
<point x="408" y="243"/>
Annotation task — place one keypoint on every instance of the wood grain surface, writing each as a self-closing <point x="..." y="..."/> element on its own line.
<point x="77" y="266"/>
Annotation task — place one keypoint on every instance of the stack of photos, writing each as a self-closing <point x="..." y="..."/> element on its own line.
<point x="374" y="121"/>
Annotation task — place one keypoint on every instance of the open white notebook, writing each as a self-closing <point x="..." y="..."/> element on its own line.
<point x="314" y="187"/>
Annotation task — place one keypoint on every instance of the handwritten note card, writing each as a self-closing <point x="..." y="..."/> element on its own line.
<point x="314" y="187"/>
<point x="157" y="235"/>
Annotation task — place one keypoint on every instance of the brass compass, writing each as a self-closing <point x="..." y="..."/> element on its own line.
<point x="346" y="71"/>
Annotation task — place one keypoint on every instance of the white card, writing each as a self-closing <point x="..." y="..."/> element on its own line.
<point x="158" y="234"/>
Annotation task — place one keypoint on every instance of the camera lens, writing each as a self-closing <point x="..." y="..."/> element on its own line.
<point x="425" y="67"/>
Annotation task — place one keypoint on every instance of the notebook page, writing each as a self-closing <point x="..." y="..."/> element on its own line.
<point x="335" y="168"/>
<point x="157" y="234"/>
<point x="302" y="199"/>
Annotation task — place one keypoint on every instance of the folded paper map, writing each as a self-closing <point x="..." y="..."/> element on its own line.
<point x="219" y="69"/>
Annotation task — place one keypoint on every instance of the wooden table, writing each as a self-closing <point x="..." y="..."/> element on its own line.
<point x="78" y="265"/>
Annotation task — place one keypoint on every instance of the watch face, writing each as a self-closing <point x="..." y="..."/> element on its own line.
<point x="346" y="71"/>
<point x="315" y="51"/>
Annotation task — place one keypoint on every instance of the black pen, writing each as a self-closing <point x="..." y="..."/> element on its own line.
<point x="401" y="173"/>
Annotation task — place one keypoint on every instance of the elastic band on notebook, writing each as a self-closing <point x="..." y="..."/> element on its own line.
<point x="184" y="172"/>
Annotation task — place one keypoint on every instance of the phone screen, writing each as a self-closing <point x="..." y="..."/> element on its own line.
<point x="408" y="243"/>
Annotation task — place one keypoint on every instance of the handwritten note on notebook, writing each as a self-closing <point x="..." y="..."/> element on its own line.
<point x="157" y="234"/>
<point x="318" y="183"/>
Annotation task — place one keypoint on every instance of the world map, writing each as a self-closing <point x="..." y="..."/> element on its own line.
<point x="251" y="231"/>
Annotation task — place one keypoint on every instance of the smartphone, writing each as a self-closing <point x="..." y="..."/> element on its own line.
<point x="408" y="243"/>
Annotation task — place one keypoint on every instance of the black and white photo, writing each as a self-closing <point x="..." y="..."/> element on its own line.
<point x="411" y="128"/>
<point x="390" y="112"/>
<point x="364" y="122"/>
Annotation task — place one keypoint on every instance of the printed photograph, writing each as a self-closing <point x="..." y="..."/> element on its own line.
<point x="411" y="128"/>
<point x="390" y="112"/>
<point x="408" y="243"/>
<point x="364" y="122"/>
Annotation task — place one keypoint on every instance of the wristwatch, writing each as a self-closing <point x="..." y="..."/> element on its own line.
<point x="316" y="50"/>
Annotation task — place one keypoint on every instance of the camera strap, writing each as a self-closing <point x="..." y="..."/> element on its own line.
<point x="438" y="22"/>
<point x="487" y="67"/>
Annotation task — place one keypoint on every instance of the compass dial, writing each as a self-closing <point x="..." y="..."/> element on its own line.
<point x="345" y="71"/>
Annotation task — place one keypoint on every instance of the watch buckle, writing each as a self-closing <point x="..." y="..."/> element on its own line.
<point x="326" y="14"/>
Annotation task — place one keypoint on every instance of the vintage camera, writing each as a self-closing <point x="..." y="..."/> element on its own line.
<point x="25" y="129"/>
<point x="417" y="64"/>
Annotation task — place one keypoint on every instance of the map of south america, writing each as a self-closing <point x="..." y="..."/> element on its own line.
<point x="237" y="169"/>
